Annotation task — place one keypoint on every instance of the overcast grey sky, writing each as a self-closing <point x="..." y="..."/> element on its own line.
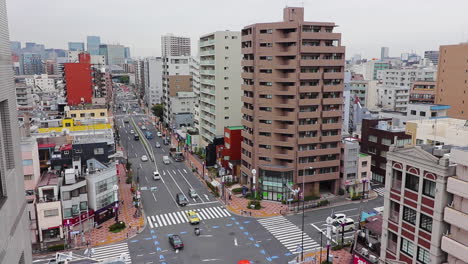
<point x="366" y="25"/>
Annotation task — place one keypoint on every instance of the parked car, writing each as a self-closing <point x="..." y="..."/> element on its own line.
<point x="156" y="175"/>
<point x="337" y="226"/>
<point x="144" y="158"/>
<point x="159" y="134"/>
<point x="143" y="128"/>
<point x="132" y="132"/>
<point x="192" y="193"/>
<point x="166" y="160"/>
<point x="336" y="217"/>
<point x="181" y="199"/>
<point x="193" y="218"/>
<point x="158" y="145"/>
<point x="176" y="242"/>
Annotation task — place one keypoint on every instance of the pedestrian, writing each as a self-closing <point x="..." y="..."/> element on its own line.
<point x="250" y="213"/>
<point x="230" y="198"/>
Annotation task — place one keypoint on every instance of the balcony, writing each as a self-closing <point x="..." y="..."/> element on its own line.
<point x="207" y="72"/>
<point x="206" y="43"/>
<point x="310" y="76"/>
<point x="284" y="154"/>
<point x="246" y="111"/>
<point x="285" y="90"/>
<point x="312" y="127"/>
<point x="284" y="116"/>
<point x="457" y="187"/>
<point x="207" y="52"/>
<point x="329" y="126"/>
<point x="322" y="49"/>
<point x="336" y="138"/>
<point x="333" y="101"/>
<point x="333" y="88"/>
<point x="333" y="75"/>
<point x="303" y="102"/>
<point x="282" y="64"/>
<point x="309" y="140"/>
<point x="207" y="81"/>
<point x="287" y="37"/>
<point x="322" y="62"/>
<point x="332" y="113"/>
<point x="287" y="51"/>
<point x="249" y="75"/>
<point x="456" y="218"/>
<point x="310" y="89"/>
<point x="284" y="141"/>
<point x="315" y="114"/>
<point x="246" y="99"/>
<point x="284" y="129"/>
<point x="320" y="35"/>
<point x="247" y="62"/>
<point x="290" y="78"/>
<point x="247" y="87"/>
<point x="207" y="62"/>
<point x="247" y="50"/>
<point x="454" y="248"/>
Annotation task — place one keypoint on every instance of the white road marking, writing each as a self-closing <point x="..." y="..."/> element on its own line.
<point x="159" y="222"/>
<point x="141" y="166"/>
<point x="348" y="210"/>
<point x="150" y="222"/>
<point x="185" y="171"/>
<point x="163" y="220"/>
<point x="154" y="198"/>
<point x="167" y="218"/>
<point x="229" y="214"/>
<point x="235" y="242"/>
<point x="182" y="217"/>
<point x="175" y="181"/>
<point x="202" y="214"/>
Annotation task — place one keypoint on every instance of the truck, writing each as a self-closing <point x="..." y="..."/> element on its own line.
<point x="176" y="155"/>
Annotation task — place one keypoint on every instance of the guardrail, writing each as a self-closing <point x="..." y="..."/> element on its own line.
<point x="148" y="148"/>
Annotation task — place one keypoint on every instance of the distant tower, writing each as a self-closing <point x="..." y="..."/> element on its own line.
<point x="383" y="53"/>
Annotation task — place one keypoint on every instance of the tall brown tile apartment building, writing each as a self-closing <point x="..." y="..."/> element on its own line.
<point x="292" y="105"/>
<point x="452" y="79"/>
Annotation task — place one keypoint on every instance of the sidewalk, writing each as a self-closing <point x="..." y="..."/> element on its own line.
<point x="341" y="256"/>
<point x="102" y="236"/>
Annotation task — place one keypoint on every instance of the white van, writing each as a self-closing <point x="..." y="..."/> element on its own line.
<point x="348" y="225"/>
<point x="156" y="175"/>
<point x="166" y="160"/>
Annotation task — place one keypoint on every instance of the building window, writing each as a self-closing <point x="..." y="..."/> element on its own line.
<point x="83" y="206"/>
<point x="407" y="246"/>
<point x="422" y="113"/>
<point x="373" y="139"/>
<point x="413" y="112"/>
<point x="73" y="115"/>
<point x="409" y="215"/>
<point x="27" y="162"/>
<point x="412" y="182"/>
<point x="425" y="223"/>
<point x="98" y="151"/>
<point x="372" y="150"/>
<point x="424" y="256"/>
<point x="103" y="114"/>
<point x="75" y="210"/>
<point x="82" y="115"/>
<point x="364" y="174"/>
<point x="78" y="151"/>
<point x="386" y="141"/>
<point x="265" y="146"/>
<point x="66" y="152"/>
<point x="66" y="196"/>
<point x="51" y="212"/>
<point x="429" y="188"/>
<point x="67" y="213"/>
<point x="364" y="164"/>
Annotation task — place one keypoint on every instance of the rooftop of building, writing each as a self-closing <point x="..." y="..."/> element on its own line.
<point x="49" y="178"/>
<point x="363" y="155"/>
<point x="87" y="107"/>
<point x="235" y="127"/>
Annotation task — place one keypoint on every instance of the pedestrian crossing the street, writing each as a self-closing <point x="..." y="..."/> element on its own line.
<point x="288" y="234"/>
<point x="112" y="252"/>
<point x="380" y="191"/>
<point x="180" y="217"/>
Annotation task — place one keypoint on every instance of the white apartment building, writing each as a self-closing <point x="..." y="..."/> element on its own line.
<point x="179" y="75"/>
<point x="41" y="83"/>
<point x="366" y="92"/>
<point x="153" y="70"/>
<point x="220" y="83"/>
<point x="101" y="180"/>
<point x="181" y="110"/>
<point x="172" y="45"/>
<point x="405" y="77"/>
<point x="394" y="98"/>
<point x="98" y="59"/>
<point x="24" y="99"/>
<point x="443" y="131"/>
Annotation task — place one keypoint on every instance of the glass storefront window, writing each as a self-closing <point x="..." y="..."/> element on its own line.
<point x="273" y="184"/>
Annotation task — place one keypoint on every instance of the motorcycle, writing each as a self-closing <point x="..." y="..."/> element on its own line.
<point x="197" y="231"/>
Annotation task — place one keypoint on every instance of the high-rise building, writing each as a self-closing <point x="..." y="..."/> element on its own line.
<point x="76" y="46"/>
<point x="452" y="81"/>
<point x="14" y="228"/>
<point x="115" y="54"/>
<point x="153" y="70"/>
<point x="220" y="83"/>
<point x="31" y="63"/>
<point x="127" y="53"/>
<point x="432" y="55"/>
<point x="79" y="81"/>
<point x="414" y="202"/>
<point x="175" y="46"/>
<point x="384" y="53"/>
<point x="292" y="99"/>
<point x="93" y="43"/>
<point x="15" y="47"/>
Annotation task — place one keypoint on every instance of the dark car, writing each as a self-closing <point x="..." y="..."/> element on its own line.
<point x="176" y="242"/>
<point x="181" y="199"/>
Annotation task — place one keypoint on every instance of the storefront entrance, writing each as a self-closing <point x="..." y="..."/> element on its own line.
<point x="273" y="185"/>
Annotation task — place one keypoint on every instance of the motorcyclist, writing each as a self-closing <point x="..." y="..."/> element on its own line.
<point x="197" y="231"/>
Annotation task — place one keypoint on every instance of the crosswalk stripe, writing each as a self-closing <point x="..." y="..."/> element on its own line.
<point x="201" y="215"/>
<point x="112" y="251"/>
<point x="182" y="217"/>
<point x="176" y="217"/>
<point x="159" y="221"/>
<point x="226" y="211"/>
<point x="163" y="220"/>
<point x="214" y="212"/>
<point x="219" y="209"/>
<point x="208" y="216"/>
<point x="167" y="219"/>
<point x="288" y="234"/>
<point x="150" y="222"/>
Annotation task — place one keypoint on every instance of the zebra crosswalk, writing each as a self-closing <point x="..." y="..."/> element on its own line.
<point x="112" y="252"/>
<point x="180" y="217"/>
<point x="380" y="191"/>
<point x="288" y="234"/>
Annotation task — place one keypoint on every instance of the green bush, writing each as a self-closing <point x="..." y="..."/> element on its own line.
<point x="337" y="247"/>
<point x="215" y="191"/>
<point x="256" y="203"/>
<point x="230" y="183"/>
<point x="311" y="198"/>
<point x="236" y="190"/>
<point x="56" y="247"/>
<point x="356" y="197"/>
<point x="323" y="203"/>
<point x="128" y="180"/>
<point x="117" y="227"/>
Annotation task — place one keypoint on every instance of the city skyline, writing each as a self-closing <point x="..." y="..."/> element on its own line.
<point x="386" y="32"/>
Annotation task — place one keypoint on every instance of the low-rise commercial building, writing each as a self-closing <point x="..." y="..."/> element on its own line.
<point x="445" y="131"/>
<point x="394" y="98"/>
<point x="422" y="92"/>
<point x="355" y="170"/>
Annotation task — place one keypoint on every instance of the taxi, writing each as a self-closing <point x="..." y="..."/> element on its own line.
<point x="193" y="218"/>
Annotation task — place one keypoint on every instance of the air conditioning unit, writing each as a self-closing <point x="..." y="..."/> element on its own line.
<point x="373" y="258"/>
<point x="364" y="251"/>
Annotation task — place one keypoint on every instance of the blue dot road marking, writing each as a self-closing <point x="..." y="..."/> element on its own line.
<point x="246" y="222"/>
<point x="155" y="237"/>
<point x="257" y="245"/>
<point x="251" y="239"/>
<point x="148" y="238"/>
<point x="262" y="252"/>
<point x="233" y="218"/>
<point x="241" y="227"/>
<point x="246" y="233"/>
<point x="133" y="241"/>
<point x="228" y="224"/>
<point x="215" y="226"/>
<point x="158" y="249"/>
<point x="156" y="243"/>
<point x="269" y="259"/>
<point x="182" y="233"/>
<point x="274" y="257"/>
<point x="152" y="231"/>
<point x="288" y="254"/>
<point x="161" y="257"/>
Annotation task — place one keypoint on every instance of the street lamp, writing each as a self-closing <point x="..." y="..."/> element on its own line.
<point x="364" y="181"/>
<point x="116" y="200"/>
<point x="138" y="175"/>
<point x="329" y="222"/>
<point x="254" y="171"/>
<point x="303" y="211"/>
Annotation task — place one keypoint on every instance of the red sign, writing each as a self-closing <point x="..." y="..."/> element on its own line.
<point x="76" y="220"/>
<point x="358" y="260"/>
